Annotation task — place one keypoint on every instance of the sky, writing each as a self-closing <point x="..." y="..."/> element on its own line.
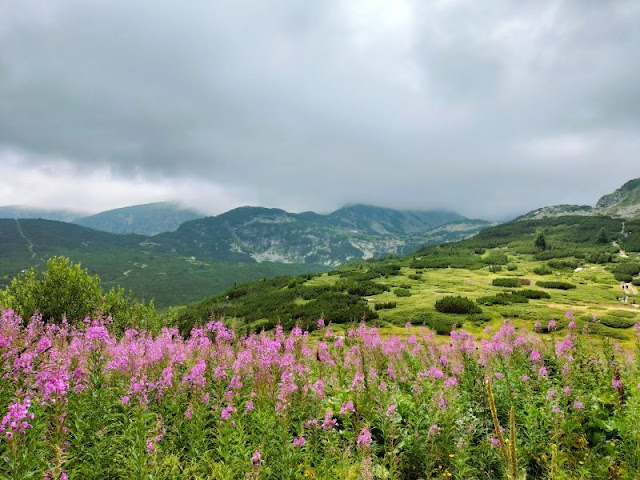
<point x="489" y="108"/>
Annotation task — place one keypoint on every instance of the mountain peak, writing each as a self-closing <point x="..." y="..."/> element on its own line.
<point x="628" y="195"/>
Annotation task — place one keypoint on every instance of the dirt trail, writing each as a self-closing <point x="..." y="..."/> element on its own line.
<point x="29" y="243"/>
<point x="621" y="252"/>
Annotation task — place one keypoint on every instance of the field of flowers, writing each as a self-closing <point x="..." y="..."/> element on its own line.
<point x="80" y="403"/>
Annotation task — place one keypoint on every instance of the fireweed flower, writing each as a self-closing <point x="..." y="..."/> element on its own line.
<point x="390" y="410"/>
<point x="299" y="441"/>
<point x="257" y="456"/>
<point x="434" y="430"/>
<point x="364" y="438"/>
<point x="347" y="407"/>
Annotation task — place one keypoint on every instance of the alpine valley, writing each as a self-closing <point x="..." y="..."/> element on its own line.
<point x="206" y="255"/>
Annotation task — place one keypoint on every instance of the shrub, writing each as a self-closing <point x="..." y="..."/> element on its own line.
<point x="556" y="284"/>
<point x="496" y="258"/>
<point x="534" y="294"/>
<point x="414" y="277"/>
<point x="443" y="325"/>
<point x="598" y="257"/>
<point x="63" y="289"/>
<point x="563" y="264"/>
<point x="502" y="299"/>
<point x="479" y="318"/>
<point x="624" y="272"/>
<point x="384" y="306"/>
<point x="365" y="289"/>
<point x="510" y="282"/>
<point x="495" y="268"/>
<point x="402" y="292"/>
<point x="542" y="270"/>
<point x="607" y="331"/>
<point x="617" y="322"/>
<point x="479" y="251"/>
<point x="512" y="267"/>
<point x="457" y="304"/>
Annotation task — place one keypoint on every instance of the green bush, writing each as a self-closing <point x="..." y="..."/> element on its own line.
<point x="558" y="285"/>
<point x="443" y="325"/>
<point x="496" y="258"/>
<point x="598" y="257"/>
<point x="402" y="292"/>
<point x="65" y="289"/>
<point x="366" y="289"/>
<point x="617" y="322"/>
<point x="457" y="304"/>
<point x="534" y="294"/>
<point x="479" y="318"/>
<point x="542" y="270"/>
<point x="562" y="264"/>
<point x="502" y="299"/>
<point x="495" y="268"/>
<point x="510" y="282"/>
<point x="414" y="277"/>
<point x="512" y="267"/>
<point x="607" y="331"/>
<point x="384" y="306"/>
<point x="624" y="272"/>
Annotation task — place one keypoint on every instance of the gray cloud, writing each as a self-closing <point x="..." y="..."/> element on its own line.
<point x="490" y="108"/>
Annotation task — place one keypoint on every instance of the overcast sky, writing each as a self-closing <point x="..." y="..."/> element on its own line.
<point x="488" y="107"/>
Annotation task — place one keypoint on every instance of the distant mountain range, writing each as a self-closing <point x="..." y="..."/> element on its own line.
<point x="259" y="234"/>
<point x="206" y="255"/>
<point x="623" y="203"/>
<point x="147" y="219"/>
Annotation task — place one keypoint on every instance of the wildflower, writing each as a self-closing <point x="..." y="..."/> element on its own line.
<point x="450" y="382"/>
<point x="495" y="442"/>
<point x="364" y="438"/>
<point x="524" y="378"/>
<point x="578" y="405"/>
<point x="257" y="456"/>
<point x="434" y="430"/>
<point x="248" y="406"/>
<point x="552" y="325"/>
<point x="299" y="441"/>
<point x="321" y="322"/>
<point x="227" y="411"/>
<point x="390" y="410"/>
<point x="499" y="375"/>
<point x="347" y="407"/>
<point x="329" y="422"/>
<point x="567" y="390"/>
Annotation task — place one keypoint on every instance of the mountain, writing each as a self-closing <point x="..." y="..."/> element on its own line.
<point x="148" y="219"/>
<point x="248" y="234"/>
<point x="207" y="255"/>
<point x="23" y="211"/>
<point x="623" y="203"/>
<point x="126" y="260"/>
<point x="385" y="221"/>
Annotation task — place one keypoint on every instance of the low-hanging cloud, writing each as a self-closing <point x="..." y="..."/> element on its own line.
<point x="490" y="108"/>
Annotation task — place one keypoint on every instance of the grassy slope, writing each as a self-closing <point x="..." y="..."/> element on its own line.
<point x="119" y="260"/>
<point x="595" y="294"/>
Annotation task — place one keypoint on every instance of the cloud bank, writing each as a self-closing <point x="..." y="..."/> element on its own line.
<point x="490" y="108"/>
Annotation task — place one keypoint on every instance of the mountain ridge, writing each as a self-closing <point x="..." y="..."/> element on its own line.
<point x="624" y="202"/>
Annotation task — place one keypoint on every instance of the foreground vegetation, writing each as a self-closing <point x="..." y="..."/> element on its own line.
<point x="81" y="403"/>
